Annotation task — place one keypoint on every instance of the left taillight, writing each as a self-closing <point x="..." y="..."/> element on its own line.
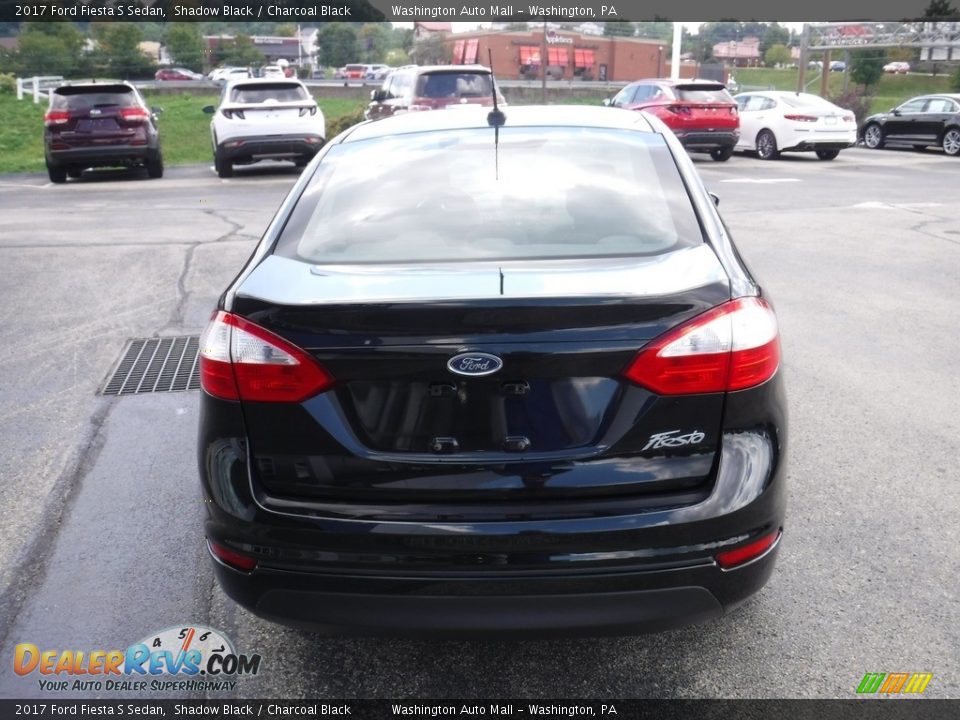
<point x="240" y="360"/>
<point x="734" y="346"/>
<point x="134" y="114"/>
<point x="56" y="117"/>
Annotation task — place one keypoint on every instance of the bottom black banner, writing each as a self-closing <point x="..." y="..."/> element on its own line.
<point x="881" y="709"/>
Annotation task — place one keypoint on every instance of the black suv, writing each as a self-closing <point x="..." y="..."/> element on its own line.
<point x="431" y="88"/>
<point x="100" y="125"/>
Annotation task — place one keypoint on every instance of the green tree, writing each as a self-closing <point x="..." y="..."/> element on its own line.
<point x="185" y="44"/>
<point x="242" y="52"/>
<point x="54" y="48"/>
<point x="431" y="50"/>
<point x="656" y="30"/>
<point x="118" y="51"/>
<point x="940" y="10"/>
<point x="775" y="34"/>
<point x="777" y="55"/>
<point x="619" y="28"/>
<point x="373" y="40"/>
<point x="397" y="57"/>
<point x="337" y="44"/>
<point x="866" y="66"/>
<point x="955" y="80"/>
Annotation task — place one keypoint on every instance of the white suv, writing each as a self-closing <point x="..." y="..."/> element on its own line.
<point x="265" y="119"/>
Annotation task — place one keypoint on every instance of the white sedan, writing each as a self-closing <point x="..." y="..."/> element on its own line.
<point x="261" y="119"/>
<point x="773" y="121"/>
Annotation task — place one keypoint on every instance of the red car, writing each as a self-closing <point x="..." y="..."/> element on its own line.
<point x="701" y="113"/>
<point x="176" y="74"/>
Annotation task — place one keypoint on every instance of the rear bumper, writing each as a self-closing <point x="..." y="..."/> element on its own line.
<point x="707" y="140"/>
<point x="103" y="155"/>
<point x="526" y="605"/>
<point x="831" y="144"/>
<point x="274" y="147"/>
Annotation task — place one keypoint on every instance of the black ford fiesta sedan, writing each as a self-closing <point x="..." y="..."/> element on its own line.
<point x="489" y="373"/>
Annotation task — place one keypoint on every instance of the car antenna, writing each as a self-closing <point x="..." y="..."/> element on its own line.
<point x="495" y="118"/>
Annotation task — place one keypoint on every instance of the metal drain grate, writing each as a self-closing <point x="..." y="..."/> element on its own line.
<point x="156" y="365"/>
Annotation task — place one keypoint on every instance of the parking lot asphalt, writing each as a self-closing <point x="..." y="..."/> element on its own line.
<point x="100" y="512"/>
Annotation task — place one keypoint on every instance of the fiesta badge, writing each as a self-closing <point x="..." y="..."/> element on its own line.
<point x="474" y="364"/>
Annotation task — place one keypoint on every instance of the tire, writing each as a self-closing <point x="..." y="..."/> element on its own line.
<point x="722" y="154"/>
<point x="873" y="136"/>
<point x="767" y="145"/>
<point x="155" y="166"/>
<point x="57" y="174"/>
<point x="951" y="142"/>
<point x="827" y="154"/>
<point x="301" y="162"/>
<point x="74" y="173"/>
<point x="223" y="166"/>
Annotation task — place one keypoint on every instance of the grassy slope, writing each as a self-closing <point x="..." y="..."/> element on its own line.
<point x="184" y="128"/>
<point x="892" y="89"/>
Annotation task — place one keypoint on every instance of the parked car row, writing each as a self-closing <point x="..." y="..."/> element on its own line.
<point x="705" y="118"/>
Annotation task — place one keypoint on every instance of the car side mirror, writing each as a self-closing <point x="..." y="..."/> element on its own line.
<point x="378" y="95"/>
<point x="209" y="109"/>
<point x="895" y="111"/>
<point x="156" y="110"/>
<point x="715" y="198"/>
<point x="607" y="102"/>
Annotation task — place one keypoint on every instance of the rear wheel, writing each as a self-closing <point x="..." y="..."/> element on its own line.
<point x="767" y="146"/>
<point x="74" y="172"/>
<point x="155" y="165"/>
<point x="222" y="165"/>
<point x="301" y="162"/>
<point x="873" y="136"/>
<point x="57" y="174"/>
<point x="951" y="142"/>
<point x="721" y="154"/>
<point x="827" y="154"/>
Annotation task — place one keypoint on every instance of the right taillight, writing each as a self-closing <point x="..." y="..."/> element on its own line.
<point x="240" y="360"/>
<point x="56" y="117"/>
<point x="732" y="347"/>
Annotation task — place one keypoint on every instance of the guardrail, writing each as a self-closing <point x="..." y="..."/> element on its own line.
<point x="39" y="85"/>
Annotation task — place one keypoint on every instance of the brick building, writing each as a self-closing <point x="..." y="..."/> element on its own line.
<point x="570" y="55"/>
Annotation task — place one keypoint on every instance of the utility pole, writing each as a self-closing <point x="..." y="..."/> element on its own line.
<point x="675" y="55"/>
<point x="543" y="65"/>
<point x="804" y="41"/>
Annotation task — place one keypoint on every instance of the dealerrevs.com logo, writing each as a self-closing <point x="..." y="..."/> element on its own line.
<point x="180" y="659"/>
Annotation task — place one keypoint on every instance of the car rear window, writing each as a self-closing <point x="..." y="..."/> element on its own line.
<point x="261" y="92"/>
<point x="355" y="68"/>
<point x="703" y="93"/>
<point x="805" y="100"/>
<point x="454" y="85"/>
<point x="450" y="196"/>
<point x="85" y="97"/>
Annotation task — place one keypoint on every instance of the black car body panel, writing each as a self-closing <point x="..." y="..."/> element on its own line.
<point x="551" y="494"/>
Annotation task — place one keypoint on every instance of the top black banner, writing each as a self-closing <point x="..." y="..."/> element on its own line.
<point x="450" y="11"/>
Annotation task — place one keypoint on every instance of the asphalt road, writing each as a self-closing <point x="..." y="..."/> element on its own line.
<point x="100" y="514"/>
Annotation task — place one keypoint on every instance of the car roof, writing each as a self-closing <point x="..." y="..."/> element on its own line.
<point x="263" y="81"/>
<point x="474" y="116"/>
<point x="674" y="83"/>
<point x="426" y="69"/>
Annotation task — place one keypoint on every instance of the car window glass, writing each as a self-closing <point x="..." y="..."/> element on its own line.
<point x="940" y="105"/>
<point x="280" y="92"/>
<point x="743" y="101"/>
<point x="913" y="106"/>
<point x="85" y="98"/>
<point x="625" y="96"/>
<point x="701" y="94"/>
<point x="552" y="192"/>
<point x="767" y="103"/>
<point x="642" y="92"/>
<point x="454" y="85"/>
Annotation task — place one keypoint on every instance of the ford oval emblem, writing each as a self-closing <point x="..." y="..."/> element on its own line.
<point x="474" y="364"/>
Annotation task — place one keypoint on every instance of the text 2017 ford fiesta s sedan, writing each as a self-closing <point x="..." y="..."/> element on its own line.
<point x="490" y="373"/>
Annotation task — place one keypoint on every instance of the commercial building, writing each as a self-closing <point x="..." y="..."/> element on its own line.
<point x="570" y="55"/>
